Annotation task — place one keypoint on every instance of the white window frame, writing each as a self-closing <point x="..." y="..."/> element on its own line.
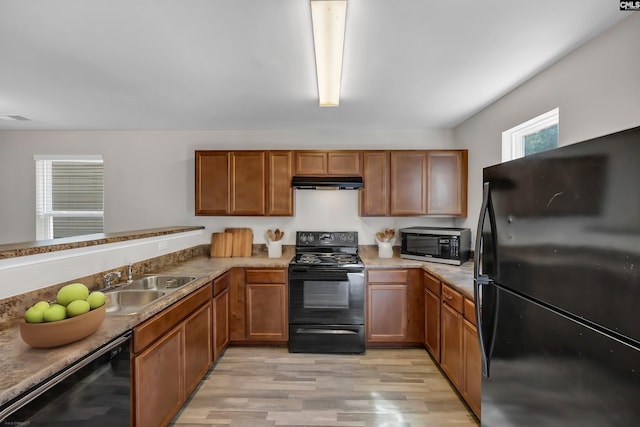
<point x="513" y="139"/>
<point x="44" y="190"/>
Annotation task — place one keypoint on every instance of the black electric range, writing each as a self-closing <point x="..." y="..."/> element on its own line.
<point x="326" y="294"/>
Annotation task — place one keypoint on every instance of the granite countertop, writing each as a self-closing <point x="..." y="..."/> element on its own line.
<point x="13" y="250"/>
<point x="460" y="277"/>
<point x="24" y="367"/>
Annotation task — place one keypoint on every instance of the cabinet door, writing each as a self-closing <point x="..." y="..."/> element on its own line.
<point x="472" y="383"/>
<point x="212" y="183"/>
<point x="432" y="323"/>
<point x="280" y="192"/>
<point x="451" y="350"/>
<point x="248" y="183"/>
<point x="310" y="163"/>
<point x="374" y="197"/>
<point x="386" y="312"/>
<point x="432" y="291"/>
<point x="158" y="381"/>
<point x="344" y="163"/>
<point x="408" y="183"/>
<point x="197" y="345"/>
<point x="237" y="305"/>
<point x="447" y="183"/>
<point x="266" y="312"/>
<point x="221" y="323"/>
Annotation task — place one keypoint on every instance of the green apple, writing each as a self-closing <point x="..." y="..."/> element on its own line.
<point x="54" y="313"/>
<point x="34" y="315"/>
<point x="77" y="307"/>
<point x="95" y="299"/>
<point x="72" y="292"/>
<point x="41" y="305"/>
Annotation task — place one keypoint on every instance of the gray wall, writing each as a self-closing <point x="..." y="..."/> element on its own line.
<point x="149" y="177"/>
<point x="596" y="88"/>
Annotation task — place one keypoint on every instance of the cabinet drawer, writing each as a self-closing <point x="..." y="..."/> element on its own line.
<point x="265" y="276"/>
<point x="221" y="283"/>
<point x="453" y="298"/>
<point x="432" y="283"/>
<point x="387" y="276"/>
<point x="470" y="311"/>
<point x="164" y="321"/>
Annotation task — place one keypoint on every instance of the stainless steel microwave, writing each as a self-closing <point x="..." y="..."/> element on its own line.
<point x="436" y="244"/>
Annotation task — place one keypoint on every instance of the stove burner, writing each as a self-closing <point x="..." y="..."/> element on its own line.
<point x="345" y="258"/>
<point x="327" y="259"/>
<point x="333" y="249"/>
<point x="309" y="259"/>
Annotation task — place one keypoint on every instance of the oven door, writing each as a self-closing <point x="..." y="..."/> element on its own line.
<point x="326" y="296"/>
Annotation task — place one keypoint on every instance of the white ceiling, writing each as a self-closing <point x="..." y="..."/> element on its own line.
<point x="249" y="64"/>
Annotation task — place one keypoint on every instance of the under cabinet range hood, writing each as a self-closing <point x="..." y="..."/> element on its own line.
<point x="327" y="182"/>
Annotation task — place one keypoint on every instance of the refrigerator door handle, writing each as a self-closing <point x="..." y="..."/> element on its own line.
<point x="480" y="280"/>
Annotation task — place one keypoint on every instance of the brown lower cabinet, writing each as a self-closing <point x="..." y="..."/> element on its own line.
<point x="220" y="307"/>
<point x="472" y="379"/>
<point x="451" y="339"/>
<point x="394" y="307"/>
<point x="459" y="346"/>
<point x="258" y="306"/>
<point x="432" y="305"/>
<point x="171" y="354"/>
<point x="266" y="297"/>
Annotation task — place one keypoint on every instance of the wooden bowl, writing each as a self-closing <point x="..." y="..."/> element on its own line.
<point x="55" y="334"/>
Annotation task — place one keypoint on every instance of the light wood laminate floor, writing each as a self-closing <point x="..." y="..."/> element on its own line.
<point x="251" y="386"/>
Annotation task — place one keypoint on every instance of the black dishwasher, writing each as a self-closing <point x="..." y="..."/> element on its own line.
<point x="95" y="391"/>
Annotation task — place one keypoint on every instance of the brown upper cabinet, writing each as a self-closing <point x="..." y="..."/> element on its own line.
<point x="328" y="163"/>
<point x="408" y="183"/>
<point x="414" y="182"/>
<point x="396" y="182"/>
<point x="374" y="197"/>
<point x="447" y="182"/>
<point x="248" y="183"/>
<point x="255" y="183"/>
<point x="280" y="193"/>
<point x="212" y="183"/>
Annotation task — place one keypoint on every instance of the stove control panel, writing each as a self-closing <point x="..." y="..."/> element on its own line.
<point x="327" y="238"/>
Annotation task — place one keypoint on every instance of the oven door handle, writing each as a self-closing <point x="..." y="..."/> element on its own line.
<point x="311" y="331"/>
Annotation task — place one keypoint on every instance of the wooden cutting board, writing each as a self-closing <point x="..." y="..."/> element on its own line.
<point x="221" y="245"/>
<point x="242" y="241"/>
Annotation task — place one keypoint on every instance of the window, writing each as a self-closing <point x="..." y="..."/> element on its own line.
<point x="69" y="196"/>
<point x="536" y="135"/>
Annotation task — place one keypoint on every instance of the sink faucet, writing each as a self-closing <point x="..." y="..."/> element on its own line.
<point x="109" y="277"/>
<point x="130" y="273"/>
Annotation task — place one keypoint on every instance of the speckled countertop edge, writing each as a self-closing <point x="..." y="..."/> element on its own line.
<point x="24" y="367"/>
<point x="13" y="250"/>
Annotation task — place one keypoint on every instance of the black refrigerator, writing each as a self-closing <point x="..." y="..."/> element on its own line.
<point x="557" y="286"/>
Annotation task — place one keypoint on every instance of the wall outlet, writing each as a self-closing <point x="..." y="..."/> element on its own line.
<point x="162" y="245"/>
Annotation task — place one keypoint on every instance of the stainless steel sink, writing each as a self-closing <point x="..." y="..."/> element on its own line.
<point x="130" y="302"/>
<point x="161" y="282"/>
<point x="131" y="298"/>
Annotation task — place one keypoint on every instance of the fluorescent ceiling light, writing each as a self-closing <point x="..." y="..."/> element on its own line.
<point x="328" y="39"/>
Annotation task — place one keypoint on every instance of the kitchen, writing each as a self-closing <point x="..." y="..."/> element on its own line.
<point x="168" y="198"/>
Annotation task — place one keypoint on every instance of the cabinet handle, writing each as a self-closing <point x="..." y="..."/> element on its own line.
<point x="447" y="296"/>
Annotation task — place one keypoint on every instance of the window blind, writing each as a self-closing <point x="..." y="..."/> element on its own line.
<point x="69" y="196"/>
